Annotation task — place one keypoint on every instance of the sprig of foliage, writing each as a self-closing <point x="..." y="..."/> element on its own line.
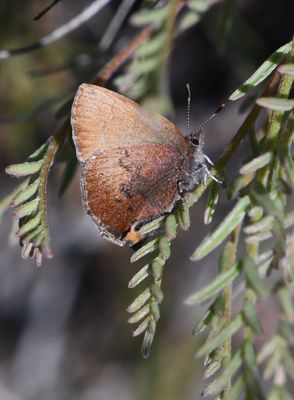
<point x="144" y="78"/>
<point x="146" y="306"/>
<point x="30" y="202"/>
<point x="263" y="187"/>
<point x="195" y="11"/>
<point x="30" y="206"/>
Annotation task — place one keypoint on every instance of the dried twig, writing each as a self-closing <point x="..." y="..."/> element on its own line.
<point x="60" y="32"/>
<point x="115" y="24"/>
<point x="45" y="10"/>
<point x="113" y="65"/>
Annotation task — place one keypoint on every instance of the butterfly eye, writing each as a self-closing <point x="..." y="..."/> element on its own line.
<point x="194" y="141"/>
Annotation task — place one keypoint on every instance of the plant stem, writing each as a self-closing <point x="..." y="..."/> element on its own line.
<point x="227" y="313"/>
<point x="54" y="144"/>
<point x="121" y="57"/>
<point x="277" y="116"/>
<point x="252" y="251"/>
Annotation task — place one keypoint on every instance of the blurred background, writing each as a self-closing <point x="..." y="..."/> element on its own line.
<point x="63" y="327"/>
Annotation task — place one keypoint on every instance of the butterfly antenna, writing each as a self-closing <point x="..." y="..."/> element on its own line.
<point x="189" y="107"/>
<point x="210" y="118"/>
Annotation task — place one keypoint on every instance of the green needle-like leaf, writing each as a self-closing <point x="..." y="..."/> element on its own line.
<point x="226" y="375"/>
<point x="144" y="250"/>
<point x="268" y="348"/>
<point x="286" y="302"/>
<point x="222" y="336"/>
<point x="26" y="209"/>
<point x="252" y="276"/>
<point x="139" y="301"/>
<point x="152" y="46"/>
<point x="204" y="322"/>
<point x="251" y="318"/>
<point x="140" y="314"/>
<point x="220" y="282"/>
<point x="164" y="247"/>
<point x="170" y="227"/>
<point x="262" y="225"/>
<point x="272" y="364"/>
<point x="183" y="216"/>
<point x="25" y="194"/>
<point x="24" y="169"/>
<point x="257" y="163"/>
<point x="152" y="226"/>
<point x="142" y="327"/>
<point x="39" y="152"/>
<point x="139" y="277"/>
<point x="236" y="388"/>
<point x="261" y="195"/>
<point x="146" y="17"/>
<point x="274" y="103"/>
<point x="212" y="202"/>
<point x="29" y="226"/>
<point x="239" y="183"/>
<point x="144" y="66"/>
<point x="213" y="239"/>
<point x="189" y="20"/>
<point x="287" y="69"/>
<point x="263" y="71"/>
<point x="288" y="362"/>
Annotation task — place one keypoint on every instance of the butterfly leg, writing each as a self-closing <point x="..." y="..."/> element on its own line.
<point x="210" y="175"/>
<point x="208" y="159"/>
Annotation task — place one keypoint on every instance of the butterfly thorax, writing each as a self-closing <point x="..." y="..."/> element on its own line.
<point x="198" y="171"/>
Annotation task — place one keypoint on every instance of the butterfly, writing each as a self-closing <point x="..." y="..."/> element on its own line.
<point x="135" y="165"/>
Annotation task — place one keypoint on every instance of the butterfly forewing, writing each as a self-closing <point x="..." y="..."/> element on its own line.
<point x="103" y="119"/>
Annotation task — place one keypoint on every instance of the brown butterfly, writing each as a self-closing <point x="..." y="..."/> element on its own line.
<point x="135" y="165"/>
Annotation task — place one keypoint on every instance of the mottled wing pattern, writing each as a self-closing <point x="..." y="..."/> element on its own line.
<point x="123" y="186"/>
<point x="102" y="119"/>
